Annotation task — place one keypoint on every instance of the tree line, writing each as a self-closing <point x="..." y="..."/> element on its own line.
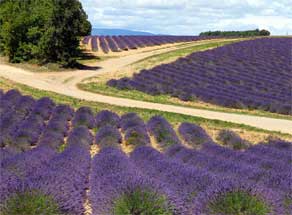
<point x="248" y="33"/>
<point x="42" y="31"/>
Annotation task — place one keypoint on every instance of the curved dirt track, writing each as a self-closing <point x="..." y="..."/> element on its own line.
<point x="65" y="83"/>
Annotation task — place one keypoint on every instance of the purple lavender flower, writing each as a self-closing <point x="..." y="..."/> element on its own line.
<point x="232" y="139"/>
<point x="64" y="112"/>
<point x="80" y="136"/>
<point x="107" y="117"/>
<point x="10" y="184"/>
<point x="6" y="153"/>
<point x="51" y="139"/>
<point x="23" y="164"/>
<point x="162" y="131"/>
<point x="137" y="136"/>
<point x="64" y="178"/>
<point x="193" y="134"/>
<point x="131" y="120"/>
<point x="264" y="150"/>
<point x="216" y="165"/>
<point x="44" y="107"/>
<point x="1" y="93"/>
<point x="25" y="105"/>
<point x="108" y="136"/>
<point x="187" y="182"/>
<point x="206" y="201"/>
<point x="135" y="130"/>
<point x="59" y="125"/>
<point x="84" y="117"/>
<point x="9" y="99"/>
<point x="29" y="131"/>
<point x="281" y="144"/>
<point x="114" y="175"/>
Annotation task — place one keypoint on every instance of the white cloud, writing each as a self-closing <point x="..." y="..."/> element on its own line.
<point x="191" y="16"/>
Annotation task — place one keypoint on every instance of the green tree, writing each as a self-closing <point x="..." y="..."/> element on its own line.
<point x="42" y="30"/>
<point x="249" y="33"/>
<point x="264" y="33"/>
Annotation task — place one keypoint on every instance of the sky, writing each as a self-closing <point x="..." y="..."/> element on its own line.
<point x="190" y="17"/>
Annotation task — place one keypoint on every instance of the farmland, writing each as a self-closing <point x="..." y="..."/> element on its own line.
<point x="145" y="108"/>
<point x="68" y="151"/>
<point x="63" y="147"/>
<point x="240" y="75"/>
<point x="107" y="44"/>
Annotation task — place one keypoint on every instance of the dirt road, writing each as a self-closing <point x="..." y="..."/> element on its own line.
<point x="65" y="83"/>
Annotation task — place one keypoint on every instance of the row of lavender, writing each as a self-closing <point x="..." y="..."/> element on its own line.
<point x="26" y="123"/>
<point x="122" y="43"/>
<point x="253" y="74"/>
<point x="191" y="180"/>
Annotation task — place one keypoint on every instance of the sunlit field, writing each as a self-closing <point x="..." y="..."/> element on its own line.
<point x="145" y="108"/>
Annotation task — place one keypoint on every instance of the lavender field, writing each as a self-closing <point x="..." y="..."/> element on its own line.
<point x="253" y="74"/>
<point x="108" y="44"/>
<point x="46" y="151"/>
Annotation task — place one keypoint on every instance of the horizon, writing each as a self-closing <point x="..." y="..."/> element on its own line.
<point x="160" y="17"/>
<point x="154" y="34"/>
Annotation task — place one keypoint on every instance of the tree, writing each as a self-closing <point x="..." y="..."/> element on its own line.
<point x="249" y="33"/>
<point x="42" y="30"/>
<point x="264" y="33"/>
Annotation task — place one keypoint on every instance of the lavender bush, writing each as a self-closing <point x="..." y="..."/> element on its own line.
<point x="193" y="135"/>
<point x="162" y="131"/>
<point x="108" y="136"/>
<point x="84" y="117"/>
<point x="65" y="179"/>
<point x="22" y="165"/>
<point x="135" y="130"/>
<point x="107" y="117"/>
<point x="232" y="139"/>
<point x="44" y="108"/>
<point x="80" y="136"/>
<point x="131" y="120"/>
<point x="9" y="100"/>
<point x="184" y="181"/>
<point x="234" y="196"/>
<point x="63" y="112"/>
<point x="114" y="176"/>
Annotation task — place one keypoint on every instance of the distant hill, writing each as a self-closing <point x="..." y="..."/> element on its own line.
<point x="109" y="31"/>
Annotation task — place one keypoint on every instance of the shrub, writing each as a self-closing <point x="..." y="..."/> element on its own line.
<point x="235" y="197"/>
<point x="163" y="132"/>
<point x="30" y="203"/>
<point x="238" y="203"/>
<point x="106" y="117"/>
<point x="232" y="139"/>
<point x="137" y="136"/>
<point x="141" y="202"/>
<point x="84" y="117"/>
<point x="108" y="136"/>
<point x="193" y="134"/>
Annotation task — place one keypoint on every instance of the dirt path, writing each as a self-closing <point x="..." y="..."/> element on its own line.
<point x="114" y="64"/>
<point x="65" y="83"/>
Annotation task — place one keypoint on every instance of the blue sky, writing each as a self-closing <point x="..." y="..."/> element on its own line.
<point x="189" y="17"/>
